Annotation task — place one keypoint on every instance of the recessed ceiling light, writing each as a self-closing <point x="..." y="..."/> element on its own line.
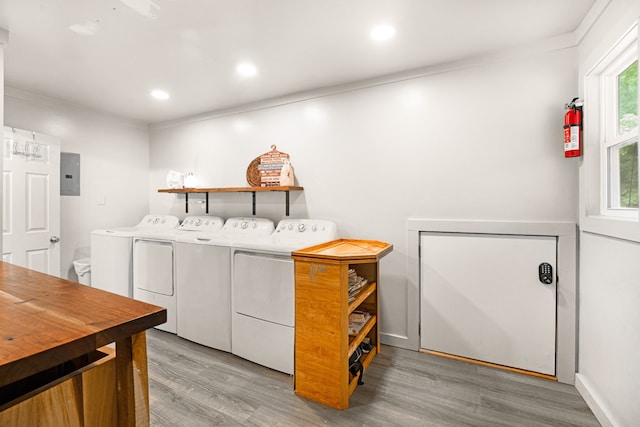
<point x="89" y="28"/>
<point x="160" y="94"/>
<point x="246" y="69"/>
<point x="143" y="7"/>
<point x="383" y="32"/>
<point x="314" y="114"/>
<point x="242" y="126"/>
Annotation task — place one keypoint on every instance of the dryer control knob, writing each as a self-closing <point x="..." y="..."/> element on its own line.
<point x="254" y="225"/>
<point x="314" y="227"/>
<point x="244" y="225"/>
<point x="290" y="226"/>
<point x="301" y="227"/>
<point x="198" y="221"/>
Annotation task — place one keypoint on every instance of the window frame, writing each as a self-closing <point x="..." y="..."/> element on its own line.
<point x="621" y="223"/>
<point x="610" y="135"/>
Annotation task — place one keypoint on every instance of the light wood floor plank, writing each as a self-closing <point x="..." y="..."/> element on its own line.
<point x="192" y="385"/>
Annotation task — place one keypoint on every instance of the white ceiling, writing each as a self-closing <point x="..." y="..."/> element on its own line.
<point x="191" y="47"/>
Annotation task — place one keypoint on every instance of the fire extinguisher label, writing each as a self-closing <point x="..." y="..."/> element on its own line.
<point x="571" y="138"/>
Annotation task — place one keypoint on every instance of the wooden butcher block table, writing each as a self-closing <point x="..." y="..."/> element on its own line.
<point x="54" y="366"/>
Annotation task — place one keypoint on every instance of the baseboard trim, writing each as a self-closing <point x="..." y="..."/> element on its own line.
<point x="594" y="402"/>
<point x="491" y="365"/>
<point x="396" y="341"/>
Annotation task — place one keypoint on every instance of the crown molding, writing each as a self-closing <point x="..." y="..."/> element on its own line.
<point x="590" y="19"/>
<point x="25" y="95"/>
<point x="563" y="41"/>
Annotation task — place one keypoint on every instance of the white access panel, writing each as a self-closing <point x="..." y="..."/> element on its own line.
<point x="263" y="287"/>
<point x="481" y="298"/>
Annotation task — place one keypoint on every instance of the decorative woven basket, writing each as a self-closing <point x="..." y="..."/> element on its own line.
<point x="253" y="174"/>
<point x="264" y="170"/>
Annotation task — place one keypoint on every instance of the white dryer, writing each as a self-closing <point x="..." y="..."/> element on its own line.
<point x="111" y="253"/>
<point x="153" y="265"/>
<point x="203" y="283"/>
<point x="263" y="291"/>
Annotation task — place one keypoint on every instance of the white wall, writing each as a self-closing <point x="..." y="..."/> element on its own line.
<point x="483" y="142"/>
<point x="609" y="310"/>
<point x="4" y="37"/>
<point x="609" y="339"/>
<point x="114" y="164"/>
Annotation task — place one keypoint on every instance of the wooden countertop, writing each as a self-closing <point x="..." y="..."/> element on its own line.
<point x="345" y="250"/>
<point x="46" y="321"/>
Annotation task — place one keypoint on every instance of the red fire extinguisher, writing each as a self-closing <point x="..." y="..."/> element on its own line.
<point x="572" y="127"/>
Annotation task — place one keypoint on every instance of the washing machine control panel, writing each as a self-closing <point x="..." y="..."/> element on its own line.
<point x="201" y="223"/>
<point x="159" y="222"/>
<point x="300" y="233"/>
<point x="249" y="226"/>
<point x="321" y="230"/>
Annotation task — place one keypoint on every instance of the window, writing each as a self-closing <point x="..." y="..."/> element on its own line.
<point x="609" y="200"/>
<point x="619" y="108"/>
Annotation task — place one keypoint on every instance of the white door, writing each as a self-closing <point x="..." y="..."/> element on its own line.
<point x="481" y="298"/>
<point x="31" y="200"/>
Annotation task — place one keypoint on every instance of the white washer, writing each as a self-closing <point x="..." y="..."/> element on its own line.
<point x="202" y="284"/>
<point x="153" y="265"/>
<point x="263" y="291"/>
<point x="112" y="253"/>
<point x="204" y="279"/>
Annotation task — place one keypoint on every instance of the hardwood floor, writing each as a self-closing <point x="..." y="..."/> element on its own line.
<point x="192" y="385"/>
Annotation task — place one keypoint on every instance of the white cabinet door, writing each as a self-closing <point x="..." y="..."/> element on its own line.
<point x="481" y="298"/>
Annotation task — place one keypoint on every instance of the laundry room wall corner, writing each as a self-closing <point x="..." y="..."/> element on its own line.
<point x="114" y="171"/>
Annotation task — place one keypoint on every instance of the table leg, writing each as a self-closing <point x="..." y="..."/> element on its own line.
<point x="132" y="381"/>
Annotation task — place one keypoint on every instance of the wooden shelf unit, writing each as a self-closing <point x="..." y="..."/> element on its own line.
<point x="252" y="190"/>
<point x="322" y="342"/>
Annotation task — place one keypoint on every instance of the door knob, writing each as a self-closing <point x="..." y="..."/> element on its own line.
<point x="54" y="239"/>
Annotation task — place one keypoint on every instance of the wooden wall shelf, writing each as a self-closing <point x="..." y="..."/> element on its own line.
<point x="252" y="190"/>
